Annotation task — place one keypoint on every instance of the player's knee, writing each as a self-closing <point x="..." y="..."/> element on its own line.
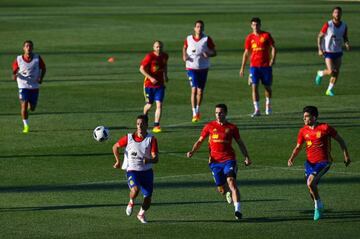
<point x="334" y="73"/>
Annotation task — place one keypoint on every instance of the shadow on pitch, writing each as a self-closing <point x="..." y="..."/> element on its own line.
<point x="170" y="185"/>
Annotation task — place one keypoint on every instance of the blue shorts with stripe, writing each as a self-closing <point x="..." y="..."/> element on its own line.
<point x="221" y="171"/>
<point x="29" y="95"/>
<point x="197" y="78"/>
<point x="316" y="169"/>
<point x="263" y="74"/>
<point x="144" y="180"/>
<point x="154" y="94"/>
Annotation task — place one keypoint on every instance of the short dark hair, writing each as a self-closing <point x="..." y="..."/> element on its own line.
<point x="201" y="22"/>
<point x="28" y="41"/>
<point x="256" y="19"/>
<point x="337" y="8"/>
<point x="222" y="106"/>
<point x="143" y="117"/>
<point x="311" y="110"/>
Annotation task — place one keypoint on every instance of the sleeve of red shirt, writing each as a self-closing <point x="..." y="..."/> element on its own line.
<point x="42" y="64"/>
<point x="332" y="132"/>
<point x="210" y="43"/>
<point x="146" y="61"/>
<point x="247" y="43"/>
<point x="123" y="141"/>
<point x="154" y="146"/>
<point x="205" y="131"/>
<point x="236" y="133"/>
<point x="186" y="44"/>
<point x="324" y="28"/>
<point x="271" y="40"/>
<point x="300" y="138"/>
<point x="15" y="66"/>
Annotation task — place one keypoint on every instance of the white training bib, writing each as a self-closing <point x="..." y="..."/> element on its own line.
<point x="195" y="52"/>
<point x="334" y="37"/>
<point x="29" y="72"/>
<point x="135" y="152"/>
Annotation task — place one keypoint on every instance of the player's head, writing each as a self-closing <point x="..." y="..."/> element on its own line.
<point x="142" y="122"/>
<point x="310" y="115"/>
<point x="199" y="27"/>
<point x="158" y="46"/>
<point x="255" y="24"/>
<point x="28" y="46"/>
<point x="336" y="13"/>
<point x="220" y="113"/>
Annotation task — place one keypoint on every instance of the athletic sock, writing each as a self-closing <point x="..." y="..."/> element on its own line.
<point x="320" y="73"/>
<point x="318" y="204"/>
<point x="197" y="109"/>
<point x="331" y="86"/>
<point x="256" y="106"/>
<point x="268" y="103"/>
<point x="156" y="124"/>
<point x="26" y="122"/>
<point x="142" y="211"/>
<point x="131" y="201"/>
<point x="237" y="206"/>
<point x="194" y="111"/>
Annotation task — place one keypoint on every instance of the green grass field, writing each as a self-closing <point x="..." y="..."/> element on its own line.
<point x="58" y="182"/>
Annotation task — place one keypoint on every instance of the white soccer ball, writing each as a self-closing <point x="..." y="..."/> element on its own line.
<point x="101" y="133"/>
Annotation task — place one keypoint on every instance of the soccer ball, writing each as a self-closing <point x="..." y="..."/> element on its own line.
<point x="101" y="133"/>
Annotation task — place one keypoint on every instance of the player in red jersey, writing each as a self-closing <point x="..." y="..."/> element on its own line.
<point x="222" y="159"/>
<point x="154" y="68"/>
<point x="29" y="71"/>
<point x="140" y="153"/>
<point x="260" y="44"/>
<point x="317" y="138"/>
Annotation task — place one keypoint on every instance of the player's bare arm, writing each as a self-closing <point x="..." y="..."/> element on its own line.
<point x="147" y="75"/>
<point x="319" y="40"/>
<point x="185" y="55"/>
<point x="210" y="53"/>
<point x="116" y="153"/>
<point x="295" y="152"/>
<point x="244" y="60"/>
<point x="42" y="74"/>
<point x="343" y="147"/>
<point x="195" y="147"/>
<point x="273" y="55"/>
<point x="244" y="151"/>
<point x="154" y="158"/>
<point x="346" y="41"/>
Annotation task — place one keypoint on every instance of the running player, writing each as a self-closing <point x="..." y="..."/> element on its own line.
<point x="333" y="35"/>
<point x="317" y="137"/>
<point x="197" y="50"/>
<point x="154" y="68"/>
<point x="222" y="159"/>
<point x="29" y="71"/>
<point x="141" y="152"/>
<point x="263" y="52"/>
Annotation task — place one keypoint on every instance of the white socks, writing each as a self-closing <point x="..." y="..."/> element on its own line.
<point x="318" y="204"/>
<point x="196" y="110"/>
<point x="142" y="211"/>
<point x="237" y="206"/>
<point x="256" y="106"/>
<point x="331" y="85"/>
<point x="320" y="73"/>
<point x="26" y="122"/>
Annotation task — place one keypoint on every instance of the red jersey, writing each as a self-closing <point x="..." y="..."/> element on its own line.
<point x="259" y="46"/>
<point x="317" y="142"/>
<point x="220" y="139"/>
<point x="15" y="65"/>
<point x="124" y="141"/>
<point x="155" y="66"/>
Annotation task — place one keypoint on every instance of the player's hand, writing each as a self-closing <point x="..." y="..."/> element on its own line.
<point x="153" y="80"/>
<point x="320" y="52"/>
<point x="116" y="165"/>
<point x="271" y="63"/>
<point x="40" y="80"/>
<point x="205" y="55"/>
<point x="189" y="154"/>
<point x="290" y="163"/>
<point x="347" y="46"/>
<point x="247" y="162"/>
<point x="241" y="73"/>
<point x="347" y="162"/>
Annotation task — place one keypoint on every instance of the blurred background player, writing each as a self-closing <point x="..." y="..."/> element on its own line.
<point x="317" y="137"/>
<point x="141" y="152"/>
<point x="197" y="50"/>
<point x="154" y="68"/>
<point x="263" y="52"/>
<point x="28" y="70"/>
<point x="222" y="159"/>
<point x="331" y="38"/>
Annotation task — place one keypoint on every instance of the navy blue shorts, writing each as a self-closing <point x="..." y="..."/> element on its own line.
<point x="221" y="171"/>
<point x="154" y="94"/>
<point x="263" y="74"/>
<point x="316" y="169"/>
<point x="144" y="180"/>
<point x="29" y="95"/>
<point x="197" y="78"/>
<point x="333" y="55"/>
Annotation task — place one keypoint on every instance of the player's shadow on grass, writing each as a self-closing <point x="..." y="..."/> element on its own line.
<point x="62" y="155"/>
